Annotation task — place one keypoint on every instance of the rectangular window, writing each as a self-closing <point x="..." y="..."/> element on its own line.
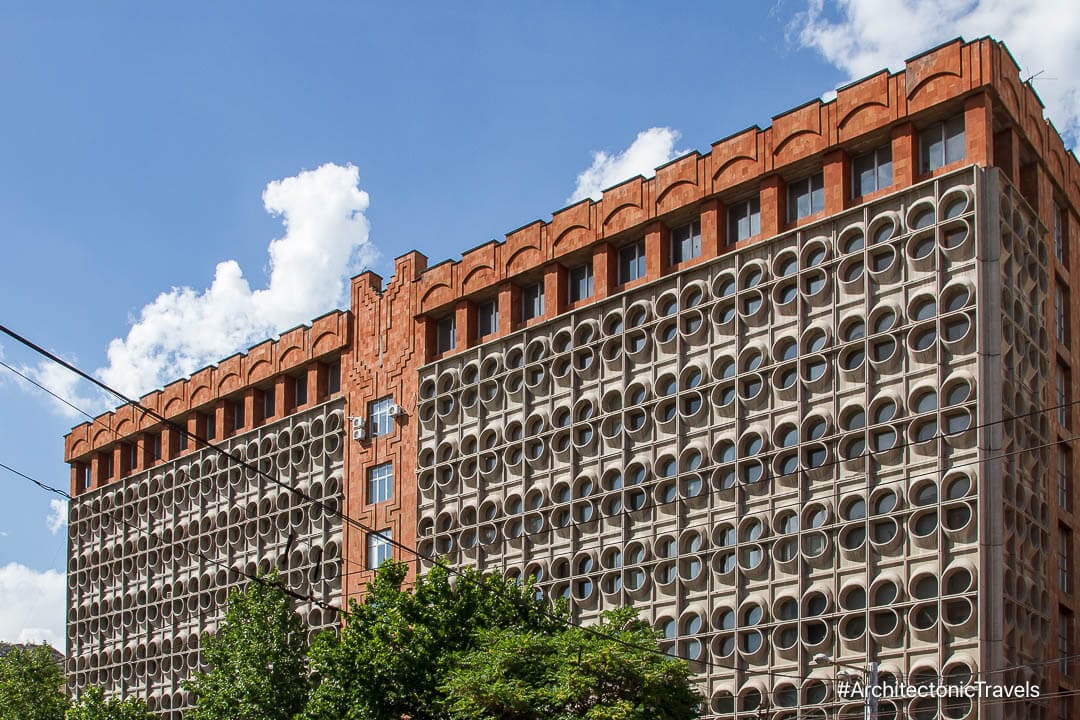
<point x="106" y="466"/>
<point x="380" y="486"/>
<point x="211" y="425"/>
<point x="155" y="446"/>
<point x="268" y="402"/>
<point x="487" y="318"/>
<point x="238" y="415"/>
<point x="1064" y="478"/>
<point x="181" y="441"/>
<point x="300" y="390"/>
<point x="1064" y="558"/>
<point x="446" y="332"/>
<point x="1065" y="623"/>
<point x="333" y="378"/>
<point x="744" y="220"/>
<point x="806" y="197"/>
<point x="581" y="282"/>
<point x="378" y="548"/>
<point x="1061" y="314"/>
<point x="379" y="420"/>
<point x="83" y="477"/>
<point x="1059" y="235"/>
<point x="632" y="262"/>
<point x="871" y="172"/>
<point x="1062" y="386"/>
<point x="133" y="453"/>
<point x="532" y="301"/>
<point x="686" y="242"/>
<point x="942" y="143"/>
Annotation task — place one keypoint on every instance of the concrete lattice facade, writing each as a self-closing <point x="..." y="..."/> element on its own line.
<point x="842" y="428"/>
<point x="171" y="543"/>
<point x="694" y="447"/>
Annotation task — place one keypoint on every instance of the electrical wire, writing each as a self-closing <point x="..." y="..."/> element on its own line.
<point x="413" y="551"/>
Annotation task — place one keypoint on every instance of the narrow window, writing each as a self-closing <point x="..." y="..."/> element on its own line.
<point x="487" y="318"/>
<point x="942" y="143"/>
<point x="133" y="453"/>
<point x="268" y="403"/>
<point x="744" y="220"/>
<point x="1062" y="387"/>
<point x="378" y="548"/>
<point x="632" y="262"/>
<point x="381" y="483"/>
<point x="581" y="282"/>
<point x="686" y="242"/>
<point x="380" y="421"/>
<point x="237" y="415"/>
<point x="106" y="466"/>
<point x="447" y="334"/>
<point x="333" y="378"/>
<point x="1064" y="478"/>
<point x="806" y="197"/>
<point x="1061" y="314"/>
<point x="181" y="441"/>
<point x="211" y="425"/>
<point x="1059" y="235"/>
<point x="1064" y="558"/>
<point x="155" y="446"/>
<point x="83" y="477"/>
<point x="872" y="172"/>
<point x="300" y="392"/>
<point x="1065" y="646"/>
<point x="532" y="301"/>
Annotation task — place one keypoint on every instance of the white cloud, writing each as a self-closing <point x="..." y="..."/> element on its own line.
<point x="184" y="329"/>
<point x="57" y="517"/>
<point x="33" y="605"/>
<point x="862" y="36"/>
<point x="650" y="148"/>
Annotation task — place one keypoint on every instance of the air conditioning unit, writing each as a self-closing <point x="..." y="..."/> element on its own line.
<point x="359" y="428"/>
<point x="394" y="411"/>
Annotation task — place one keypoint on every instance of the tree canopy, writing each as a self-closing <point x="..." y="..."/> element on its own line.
<point x="257" y="664"/>
<point x="473" y="647"/>
<point x="92" y="705"/>
<point x="31" y="685"/>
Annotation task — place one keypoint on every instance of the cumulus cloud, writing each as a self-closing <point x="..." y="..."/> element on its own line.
<point x="650" y="148"/>
<point x="33" y="605"/>
<point x="325" y="242"/>
<point x="57" y="517"/>
<point x="862" y="36"/>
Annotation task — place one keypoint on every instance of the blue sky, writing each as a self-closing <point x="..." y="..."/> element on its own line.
<point x="139" y="141"/>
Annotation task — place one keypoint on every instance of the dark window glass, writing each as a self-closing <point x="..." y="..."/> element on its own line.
<point x="744" y="220"/>
<point x="686" y="242"/>
<point x="872" y="172"/>
<point x="532" y="301"/>
<point x="487" y="318"/>
<point x="806" y="197"/>
<point x="581" y="282"/>
<point x="447" y="334"/>
<point x="632" y="262"/>
<point x="942" y="143"/>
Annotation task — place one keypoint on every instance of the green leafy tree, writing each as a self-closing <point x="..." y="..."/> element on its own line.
<point x="396" y="647"/>
<point x="616" y="674"/>
<point x="258" y="668"/>
<point x="440" y="652"/>
<point x="92" y="705"/>
<point x="31" y="685"/>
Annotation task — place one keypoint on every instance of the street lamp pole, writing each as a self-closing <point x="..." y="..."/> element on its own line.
<point x="870" y="699"/>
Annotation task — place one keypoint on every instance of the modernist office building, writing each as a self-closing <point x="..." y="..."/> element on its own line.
<point x="807" y="393"/>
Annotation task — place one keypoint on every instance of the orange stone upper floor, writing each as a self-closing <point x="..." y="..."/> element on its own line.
<point x="958" y="104"/>
<point x="270" y="381"/>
